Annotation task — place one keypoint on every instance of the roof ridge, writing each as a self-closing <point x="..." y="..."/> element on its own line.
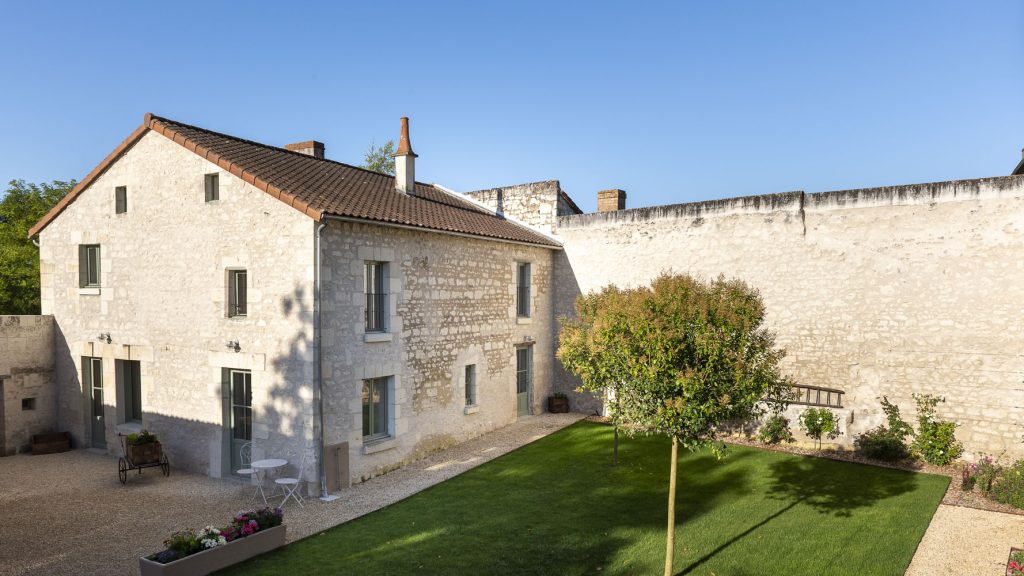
<point x="271" y="147"/>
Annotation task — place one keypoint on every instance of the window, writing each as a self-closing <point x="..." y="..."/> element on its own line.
<point x="523" y="290"/>
<point x="89" y="265"/>
<point x="120" y="199"/>
<point x="28" y="403"/>
<point x="212" y="187"/>
<point x="375" y="408"/>
<point x="471" y="385"/>
<point x="236" y="293"/>
<point x="130" y="385"/>
<point x="376" y="296"/>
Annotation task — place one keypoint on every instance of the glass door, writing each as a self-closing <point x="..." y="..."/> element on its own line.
<point x="524" y="379"/>
<point x="93" y="370"/>
<point x="240" y="397"/>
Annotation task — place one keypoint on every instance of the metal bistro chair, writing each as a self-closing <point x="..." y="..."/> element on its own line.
<point x="290" y="485"/>
<point x="245" y="457"/>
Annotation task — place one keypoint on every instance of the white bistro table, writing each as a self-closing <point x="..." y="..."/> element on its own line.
<point x="261" y="467"/>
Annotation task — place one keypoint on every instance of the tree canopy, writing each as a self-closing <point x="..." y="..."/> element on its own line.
<point x="22" y="206"/>
<point x="379" y="158"/>
<point x="681" y="356"/>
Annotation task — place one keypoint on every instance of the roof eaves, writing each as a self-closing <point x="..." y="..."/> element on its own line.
<point x="91" y="177"/>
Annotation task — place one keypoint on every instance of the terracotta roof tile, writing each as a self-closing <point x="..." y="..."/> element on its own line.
<point x="324" y="187"/>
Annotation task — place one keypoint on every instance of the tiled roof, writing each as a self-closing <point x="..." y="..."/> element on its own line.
<point x="323" y="187"/>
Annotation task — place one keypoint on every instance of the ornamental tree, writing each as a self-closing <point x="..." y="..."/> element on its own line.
<point x="682" y="357"/>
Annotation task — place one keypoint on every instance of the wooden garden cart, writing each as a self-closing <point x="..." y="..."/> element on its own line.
<point x="141" y="456"/>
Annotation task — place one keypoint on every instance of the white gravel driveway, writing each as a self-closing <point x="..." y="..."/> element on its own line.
<point x="67" y="514"/>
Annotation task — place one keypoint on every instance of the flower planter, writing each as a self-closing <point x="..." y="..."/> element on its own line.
<point x="217" y="558"/>
<point x="557" y="405"/>
<point x="144" y="453"/>
<point x="1009" y="571"/>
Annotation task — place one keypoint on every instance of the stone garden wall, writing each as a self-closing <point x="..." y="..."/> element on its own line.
<point x="28" y="400"/>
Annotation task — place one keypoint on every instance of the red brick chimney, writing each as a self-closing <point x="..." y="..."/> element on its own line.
<point x="309" y="148"/>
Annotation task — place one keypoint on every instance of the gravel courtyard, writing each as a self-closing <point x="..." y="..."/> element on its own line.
<point x="67" y="514"/>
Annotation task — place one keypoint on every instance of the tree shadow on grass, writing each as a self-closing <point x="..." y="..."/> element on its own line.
<point x="828" y="487"/>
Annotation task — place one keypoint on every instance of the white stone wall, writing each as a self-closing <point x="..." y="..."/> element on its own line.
<point x="163" y="302"/>
<point x="537" y="204"/>
<point x="451" y="303"/>
<point x="26" y="373"/>
<point x="877" y="292"/>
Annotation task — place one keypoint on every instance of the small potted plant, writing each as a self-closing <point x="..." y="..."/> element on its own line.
<point x="143" y="447"/>
<point x="558" y="403"/>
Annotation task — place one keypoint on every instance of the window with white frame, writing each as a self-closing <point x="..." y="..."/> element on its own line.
<point x="237" y="293"/>
<point x="376" y="392"/>
<point x="471" y="385"/>
<point x="376" y="296"/>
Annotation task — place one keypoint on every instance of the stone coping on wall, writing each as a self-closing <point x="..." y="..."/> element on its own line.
<point x="902" y="195"/>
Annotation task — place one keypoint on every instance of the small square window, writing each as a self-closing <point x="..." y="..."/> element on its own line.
<point x="121" y="199"/>
<point x="212" y="187"/>
<point x="89" y="265"/>
<point x="28" y="403"/>
<point x="237" y="293"/>
<point x="471" y="385"/>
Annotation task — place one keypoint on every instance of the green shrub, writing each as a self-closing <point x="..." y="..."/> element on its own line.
<point x="1008" y="485"/>
<point x="898" y="427"/>
<point x="818" y="422"/>
<point x="936" y="439"/>
<point x="775" y="430"/>
<point x="882" y="443"/>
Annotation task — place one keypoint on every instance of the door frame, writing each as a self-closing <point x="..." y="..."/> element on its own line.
<point x="89" y="364"/>
<point x="227" y="445"/>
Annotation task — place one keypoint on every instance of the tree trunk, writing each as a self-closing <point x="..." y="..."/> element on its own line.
<point x="671" y="540"/>
<point x="615" y="450"/>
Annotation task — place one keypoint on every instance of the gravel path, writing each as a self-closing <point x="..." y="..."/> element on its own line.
<point x="67" y="514"/>
<point x="967" y="542"/>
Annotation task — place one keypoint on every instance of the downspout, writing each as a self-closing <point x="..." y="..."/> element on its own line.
<point x="35" y="240"/>
<point x="318" y="342"/>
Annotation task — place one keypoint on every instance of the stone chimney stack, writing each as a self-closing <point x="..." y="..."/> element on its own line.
<point x="309" y="148"/>
<point x="405" y="162"/>
<point x="611" y="200"/>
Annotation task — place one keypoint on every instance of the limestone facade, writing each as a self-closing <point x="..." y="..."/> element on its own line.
<point x="28" y="403"/>
<point x="880" y="292"/>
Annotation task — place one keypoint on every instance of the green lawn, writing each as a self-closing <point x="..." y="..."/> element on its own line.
<point x="557" y="506"/>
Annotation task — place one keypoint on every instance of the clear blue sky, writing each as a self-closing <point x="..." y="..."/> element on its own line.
<point x="673" y="102"/>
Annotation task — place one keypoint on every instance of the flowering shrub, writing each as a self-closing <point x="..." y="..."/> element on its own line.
<point x="936" y="439"/>
<point x="775" y="430"/>
<point x="1008" y="485"/>
<point x="986" y="473"/>
<point x="818" y="422"/>
<point x="140" y="438"/>
<point x="186" y="542"/>
<point x="881" y="443"/>
<point x="968" y="477"/>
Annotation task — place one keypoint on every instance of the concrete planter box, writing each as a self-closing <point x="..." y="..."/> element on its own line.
<point x="217" y="558"/>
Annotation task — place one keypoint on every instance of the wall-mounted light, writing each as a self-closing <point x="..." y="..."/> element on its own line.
<point x="104" y="337"/>
<point x="233" y="345"/>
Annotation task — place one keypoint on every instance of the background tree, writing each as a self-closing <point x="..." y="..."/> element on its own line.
<point x="379" y="159"/>
<point x="685" y="357"/>
<point x="22" y="206"/>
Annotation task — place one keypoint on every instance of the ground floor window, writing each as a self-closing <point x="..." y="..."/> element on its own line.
<point x="129" y="381"/>
<point x="471" y="385"/>
<point x="375" y="408"/>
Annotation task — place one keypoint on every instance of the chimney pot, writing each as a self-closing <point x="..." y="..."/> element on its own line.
<point x="405" y="162"/>
<point x="611" y="200"/>
<point x="309" y="148"/>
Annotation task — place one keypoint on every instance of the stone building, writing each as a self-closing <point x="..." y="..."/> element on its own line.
<point x="221" y="292"/>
